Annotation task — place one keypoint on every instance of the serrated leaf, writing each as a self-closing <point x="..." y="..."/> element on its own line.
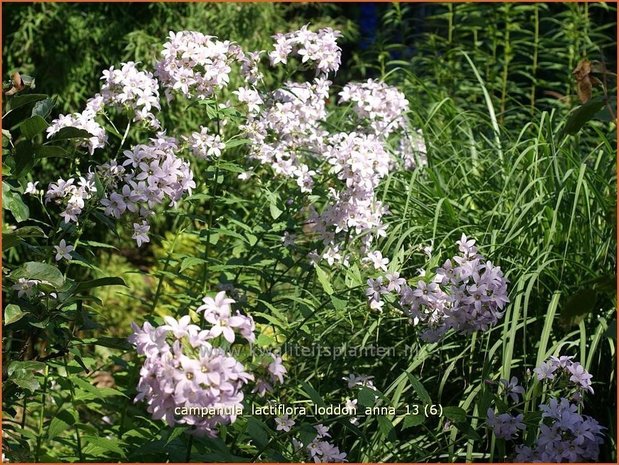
<point x="236" y="142"/>
<point x="275" y="211"/>
<point x="112" y="342"/>
<point x="189" y="262"/>
<point x="27" y="366"/>
<point x="577" y="306"/>
<point x="386" y="428"/>
<point x="257" y="431"/>
<point x="60" y="423"/>
<point x="468" y="431"/>
<point x="176" y="432"/>
<point x="95" y="446"/>
<point x="312" y="393"/>
<point x="30" y="384"/>
<point x="24" y="157"/>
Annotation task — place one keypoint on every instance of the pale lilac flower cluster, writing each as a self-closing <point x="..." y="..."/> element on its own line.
<point x="72" y="196"/>
<point x="360" y="162"/>
<point x="383" y="106"/>
<point x="85" y="121"/>
<point x="512" y="389"/>
<point x="273" y="373"/>
<point x="197" y="65"/>
<point x="467" y="293"/>
<point x="28" y="288"/>
<point x="250" y="97"/>
<point x="287" y="129"/>
<point x="320" y="449"/>
<point x="318" y="49"/>
<point x="505" y="426"/>
<point x="563" y="367"/>
<point x="126" y="87"/>
<point x="148" y="176"/>
<point x="354" y="381"/>
<point x="565" y="435"/>
<point x="218" y="312"/>
<point x="381" y="110"/>
<point x="137" y="90"/>
<point x="205" y="145"/>
<point x="184" y="368"/>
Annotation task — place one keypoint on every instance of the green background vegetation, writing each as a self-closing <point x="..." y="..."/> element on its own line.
<point x="512" y="163"/>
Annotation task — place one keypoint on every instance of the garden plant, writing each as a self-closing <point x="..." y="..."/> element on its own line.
<point x="283" y="248"/>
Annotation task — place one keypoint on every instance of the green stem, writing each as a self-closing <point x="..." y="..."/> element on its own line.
<point x="506" y="60"/>
<point x="189" y="447"/>
<point x="535" y="52"/>
<point x="42" y="418"/>
<point x="77" y="432"/>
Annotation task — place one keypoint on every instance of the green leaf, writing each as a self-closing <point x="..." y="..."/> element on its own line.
<point x="468" y="431"/>
<point x="257" y="431"/>
<point x="581" y="115"/>
<point x="385" y="427"/>
<point x="176" y="432"/>
<point x="13" y="202"/>
<point x="275" y="210"/>
<point x="43" y="108"/>
<point x="29" y="383"/>
<point x="236" y="142"/>
<point x="338" y="304"/>
<point x="100" y="282"/>
<point x="419" y="389"/>
<point x="27" y="366"/>
<point x="32" y="126"/>
<point x="24" y="157"/>
<point x="455" y="414"/>
<point x="40" y="271"/>
<point x="312" y="393"/>
<point x="111" y="342"/>
<point x="21" y="100"/>
<point x="413" y="420"/>
<point x="577" y="306"/>
<point x="51" y="151"/>
<point x="324" y="280"/>
<point x="71" y="133"/>
<point x="12" y="314"/>
<point x="60" y="423"/>
<point x="366" y="397"/>
<point x="189" y="262"/>
<point x="97" y="446"/>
